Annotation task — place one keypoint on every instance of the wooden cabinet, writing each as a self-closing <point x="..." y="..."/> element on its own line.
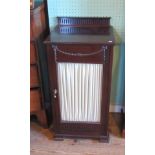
<point x="33" y="54"/>
<point x="80" y="66"/>
<point x="39" y="90"/>
<point x="34" y="79"/>
<point x="35" y="99"/>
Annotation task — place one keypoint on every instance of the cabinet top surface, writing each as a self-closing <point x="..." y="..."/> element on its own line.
<point x="57" y="38"/>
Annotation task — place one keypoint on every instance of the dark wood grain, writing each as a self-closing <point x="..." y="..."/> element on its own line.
<point x="76" y="44"/>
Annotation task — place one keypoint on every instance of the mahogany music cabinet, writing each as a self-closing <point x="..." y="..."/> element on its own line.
<point x="80" y="54"/>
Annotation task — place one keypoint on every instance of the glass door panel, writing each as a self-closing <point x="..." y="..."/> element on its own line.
<point x="80" y="89"/>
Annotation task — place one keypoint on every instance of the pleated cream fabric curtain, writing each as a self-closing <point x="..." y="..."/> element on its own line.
<point x="80" y="91"/>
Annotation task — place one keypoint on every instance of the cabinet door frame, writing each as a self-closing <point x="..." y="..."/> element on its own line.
<point x="76" y="129"/>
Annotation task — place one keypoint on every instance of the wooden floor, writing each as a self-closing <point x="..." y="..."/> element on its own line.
<point x="42" y="142"/>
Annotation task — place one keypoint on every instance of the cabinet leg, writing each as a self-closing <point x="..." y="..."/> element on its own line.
<point x="104" y="139"/>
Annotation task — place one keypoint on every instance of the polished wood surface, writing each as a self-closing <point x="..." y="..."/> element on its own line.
<point x="82" y="130"/>
<point x="56" y="37"/>
<point x="76" y="45"/>
<point x="33" y="54"/>
<point x="84" y="21"/>
<point x="37" y="21"/>
<point x="39" y="28"/>
<point x="83" y="25"/>
<point x="34" y="78"/>
<point x="35" y="99"/>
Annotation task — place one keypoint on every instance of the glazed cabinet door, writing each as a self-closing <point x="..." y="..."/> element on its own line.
<point x="79" y="87"/>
